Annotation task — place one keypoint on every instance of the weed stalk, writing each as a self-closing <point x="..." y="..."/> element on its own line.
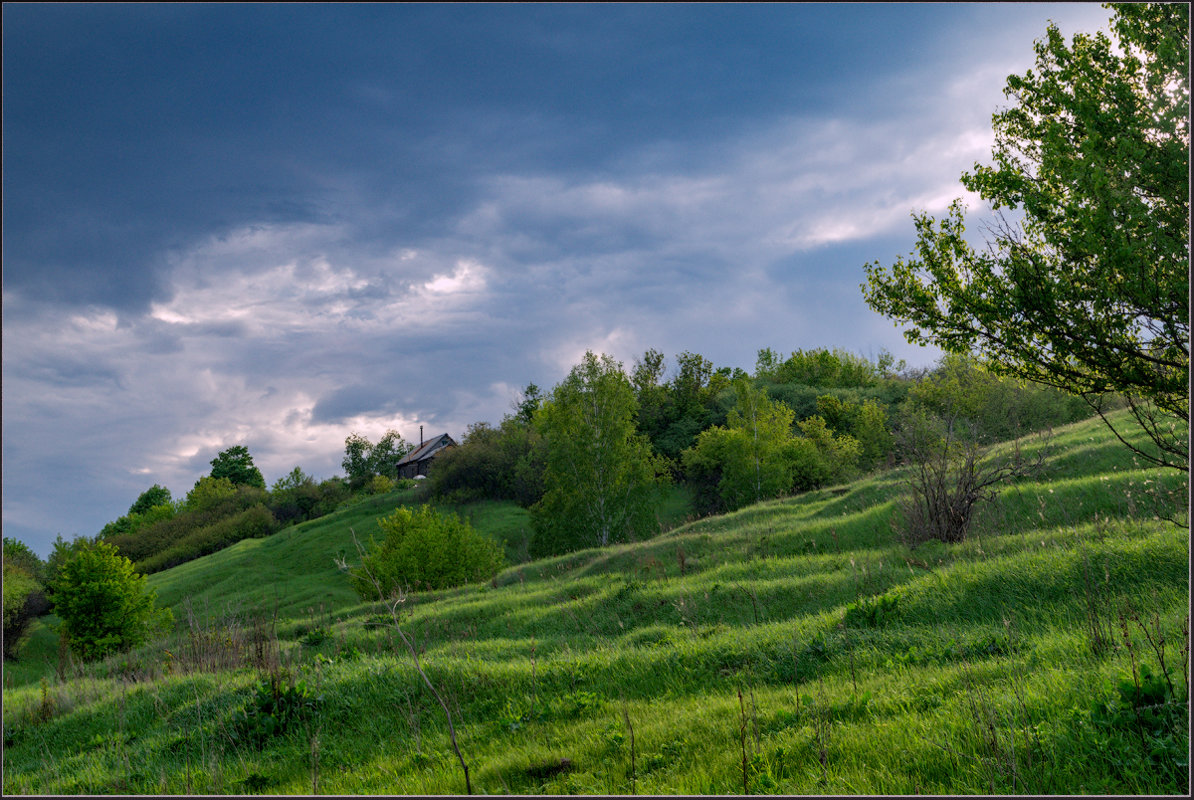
<point x="630" y="729"/>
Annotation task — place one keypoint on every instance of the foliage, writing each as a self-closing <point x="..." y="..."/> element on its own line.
<point x="748" y="458"/>
<point x="135" y="521"/>
<point x="502" y="463"/>
<point x="208" y="492"/>
<point x="212" y="501"/>
<point x="294" y="497"/>
<point x="385" y="455"/>
<point x="996" y="407"/>
<point x="671" y="413"/>
<point x="236" y="464"/>
<point x="364" y="459"/>
<point x="819" y="457"/>
<point x="18" y="554"/>
<point x="381" y="484"/>
<point x="601" y="482"/>
<point x="865" y="421"/>
<point x="820" y="367"/>
<point x="425" y="549"/>
<point x="24" y="601"/>
<point x="1088" y="291"/>
<point x="104" y="605"/>
<point x="277" y="706"/>
<point x="153" y="496"/>
<point x="254" y="522"/>
<point x="24" y="594"/>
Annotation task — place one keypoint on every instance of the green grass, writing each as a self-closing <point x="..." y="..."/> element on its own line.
<point x="864" y="667"/>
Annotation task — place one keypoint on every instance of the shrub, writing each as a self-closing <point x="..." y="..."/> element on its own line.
<point x="424" y="549"/>
<point x="253" y="523"/>
<point x="105" y="606"/>
<point x="819" y="457"/>
<point x="24" y="601"/>
<point x="275" y="709"/>
<point x="948" y="477"/>
<point x="381" y="484"/>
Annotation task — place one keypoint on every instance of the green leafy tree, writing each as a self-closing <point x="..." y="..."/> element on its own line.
<point x="601" y="481"/>
<point x="749" y="455"/>
<point x="105" y="606"/>
<point x="528" y="404"/>
<point x="356" y="463"/>
<point x="385" y="455"/>
<point x="819" y="457"/>
<point x="363" y="459"/>
<point x="236" y="465"/>
<point x="1085" y="288"/>
<point x="208" y="492"/>
<point x="865" y="421"/>
<point x="425" y="549"/>
<point x="153" y="496"/>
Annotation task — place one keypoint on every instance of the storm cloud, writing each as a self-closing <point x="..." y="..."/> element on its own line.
<point x="273" y="225"/>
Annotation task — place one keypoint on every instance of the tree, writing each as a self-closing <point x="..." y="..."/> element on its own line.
<point x="748" y="458"/>
<point x="363" y="459"/>
<point x="1087" y="289"/>
<point x="389" y="450"/>
<point x="208" y="492"/>
<point x="153" y="496"/>
<point x="236" y="465"/>
<point x="601" y="481"/>
<point x="948" y="477"/>
<point x="356" y="462"/>
<point x="105" y="606"/>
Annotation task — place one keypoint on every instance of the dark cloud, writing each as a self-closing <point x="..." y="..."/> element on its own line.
<point x="273" y="224"/>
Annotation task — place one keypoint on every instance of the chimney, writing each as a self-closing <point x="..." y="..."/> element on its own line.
<point x="420" y="436"/>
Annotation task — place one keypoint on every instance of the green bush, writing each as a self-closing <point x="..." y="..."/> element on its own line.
<point x="104" y="604"/>
<point x="276" y="708"/>
<point x="424" y="549"/>
<point x="24" y="601"/>
<point x="253" y="523"/>
<point x="151" y="540"/>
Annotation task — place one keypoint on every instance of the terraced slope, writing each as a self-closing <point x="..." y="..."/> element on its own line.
<point x="792" y="647"/>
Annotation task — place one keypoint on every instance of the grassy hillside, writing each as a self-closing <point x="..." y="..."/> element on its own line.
<point x="793" y="647"/>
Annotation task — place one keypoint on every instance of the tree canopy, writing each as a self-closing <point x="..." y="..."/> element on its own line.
<point x="236" y="465"/>
<point x="104" y="604"/>
<point x="1083" y="282"/>
<point x="600" y="478"/>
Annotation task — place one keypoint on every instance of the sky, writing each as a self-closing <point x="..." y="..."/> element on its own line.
<point x="275" y="225"/>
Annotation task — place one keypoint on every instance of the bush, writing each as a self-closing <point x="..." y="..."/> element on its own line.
<point x="24" y="601"/>
<point x="253" y="523"/>
<point x="819" y="458"/>
<point x="424" y="549"/>
<point x="502" y="463"/>
<point x="948" y="476"/>
<point x="278" y="706"/>
<point x="210" y="510"/>
<point x="381" y="484"/>
<point x="105" y="606"/>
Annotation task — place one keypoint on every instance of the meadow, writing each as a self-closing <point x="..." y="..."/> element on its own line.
<point x="792" y="647"/>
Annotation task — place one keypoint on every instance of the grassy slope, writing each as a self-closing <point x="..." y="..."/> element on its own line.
<point x="552" y="663"/>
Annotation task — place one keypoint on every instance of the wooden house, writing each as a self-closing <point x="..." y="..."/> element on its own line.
<point x="416" y="462"/>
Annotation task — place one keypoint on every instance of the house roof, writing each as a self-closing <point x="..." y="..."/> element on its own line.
<point x="428" y="448"/>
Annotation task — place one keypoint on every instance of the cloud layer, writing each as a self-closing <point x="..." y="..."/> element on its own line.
<point x="273" y="227"/>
